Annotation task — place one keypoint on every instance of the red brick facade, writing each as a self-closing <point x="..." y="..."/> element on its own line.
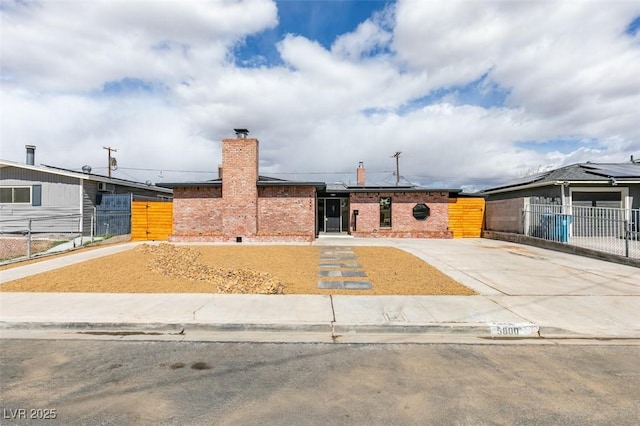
<point x="287" y="211"/>
<point x="403" y="224"/>
<point x="197" y="211"/>
<point x="241" y="210"/>
<point x="241" y="206"/>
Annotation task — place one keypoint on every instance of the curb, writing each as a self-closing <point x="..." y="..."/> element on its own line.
<point x="336" y="332"/>
<point x="474" y="330"/>
<point x="328" y="329"/>
<point x="163" y="328"/>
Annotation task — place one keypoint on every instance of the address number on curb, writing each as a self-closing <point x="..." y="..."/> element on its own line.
<point x="513" y="330"/>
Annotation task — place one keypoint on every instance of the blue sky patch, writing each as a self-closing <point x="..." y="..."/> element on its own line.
<point x="633" y="27"/>
<point x="128" y="86"/>
<point x="482" y="92"/>
<point x="318" y="20"/>
<point x="563" y="146"/>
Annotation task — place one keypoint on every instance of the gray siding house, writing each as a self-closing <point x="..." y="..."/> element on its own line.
<point x="58" y="200"/>
<point x="600" y="197"/>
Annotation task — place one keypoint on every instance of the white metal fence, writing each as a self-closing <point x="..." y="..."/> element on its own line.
<point x="609" y="230"/>
<point x="27" y="237"/>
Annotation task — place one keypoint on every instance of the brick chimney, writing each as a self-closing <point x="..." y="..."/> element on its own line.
<point x="361" y="174"/>
<point x="239" y="185"/>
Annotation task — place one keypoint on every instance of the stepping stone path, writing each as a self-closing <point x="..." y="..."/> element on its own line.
<point x="340" y="262"/>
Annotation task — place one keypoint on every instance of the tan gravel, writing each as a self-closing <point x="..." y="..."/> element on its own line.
<point x="166" y="268"/>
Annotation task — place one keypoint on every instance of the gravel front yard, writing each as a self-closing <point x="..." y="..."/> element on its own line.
<point x="238" y="269"/>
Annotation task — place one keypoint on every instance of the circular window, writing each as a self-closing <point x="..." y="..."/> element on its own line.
<point x="421" y="211"/>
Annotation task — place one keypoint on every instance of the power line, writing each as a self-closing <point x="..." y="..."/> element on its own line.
<point x="271" y="173"/>
<point x="326" y="173"/>
<point x="166" y="170"/>
<point x="390" y="174"/>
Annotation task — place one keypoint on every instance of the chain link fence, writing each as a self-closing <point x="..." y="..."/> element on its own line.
<point x="22" y="239"/>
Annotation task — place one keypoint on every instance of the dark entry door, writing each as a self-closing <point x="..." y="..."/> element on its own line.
<point x="332" y="211"/>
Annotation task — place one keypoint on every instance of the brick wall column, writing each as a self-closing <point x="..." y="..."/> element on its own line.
<point x="239" y="187"/>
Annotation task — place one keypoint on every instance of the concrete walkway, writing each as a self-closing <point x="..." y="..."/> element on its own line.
<point x="524" y="292"/>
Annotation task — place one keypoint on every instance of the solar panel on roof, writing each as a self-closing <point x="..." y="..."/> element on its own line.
<point x="615" y="170"/>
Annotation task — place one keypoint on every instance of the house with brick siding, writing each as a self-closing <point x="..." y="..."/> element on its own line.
<point x="242" y="205"/>
<point x="385" y="211"/>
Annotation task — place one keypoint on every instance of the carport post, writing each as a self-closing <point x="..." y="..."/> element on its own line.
<point x="29" y="240"/>
<point x="627" y="235"/>
<point x="93" y="218"/>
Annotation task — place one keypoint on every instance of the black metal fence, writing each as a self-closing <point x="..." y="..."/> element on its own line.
<point x="113" y="215"/>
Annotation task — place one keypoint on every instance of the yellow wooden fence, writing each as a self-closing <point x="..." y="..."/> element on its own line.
<point x="466" y="216"/>
<point x="151" y="220"/>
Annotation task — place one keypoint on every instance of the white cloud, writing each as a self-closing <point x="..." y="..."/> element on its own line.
<point x="368" y="38"/>
<point x="77" y="46"/>
<point x="70" y="131"/>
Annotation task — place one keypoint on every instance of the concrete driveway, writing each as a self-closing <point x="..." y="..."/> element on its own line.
<point x="559" y="292"/>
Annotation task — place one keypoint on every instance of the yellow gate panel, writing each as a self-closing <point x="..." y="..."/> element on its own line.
<point x="151" y="220"/>
<point x="466" y="216"/>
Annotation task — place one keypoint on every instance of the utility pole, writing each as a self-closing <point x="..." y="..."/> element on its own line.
<point x="110" y="163"/>
<point x="397" y="157"/>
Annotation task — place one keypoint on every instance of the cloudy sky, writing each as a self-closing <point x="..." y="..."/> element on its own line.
<point x="472" y="93"/>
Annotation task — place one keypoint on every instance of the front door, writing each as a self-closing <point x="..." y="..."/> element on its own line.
<point x="332" y="212"/>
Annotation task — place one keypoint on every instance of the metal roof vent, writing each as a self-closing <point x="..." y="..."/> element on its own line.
<point x="86" y="168"/>
<point x="31" y="154"/>
<point x="241" y="133"/>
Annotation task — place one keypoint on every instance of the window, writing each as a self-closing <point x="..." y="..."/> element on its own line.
<point x="13" y="195"/>
<point x="421" y="211"/>
<point x="385" y="212"/>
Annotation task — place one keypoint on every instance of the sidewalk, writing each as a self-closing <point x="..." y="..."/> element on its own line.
<point x="524" y="292"/>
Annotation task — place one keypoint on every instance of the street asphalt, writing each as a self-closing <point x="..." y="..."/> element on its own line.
<point x="524" y="292"/>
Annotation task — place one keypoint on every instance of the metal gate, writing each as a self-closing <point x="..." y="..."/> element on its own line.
<point x="113" y="215"/>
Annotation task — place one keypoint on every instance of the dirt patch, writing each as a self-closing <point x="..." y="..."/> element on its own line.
<point x="398" y="272"/>
<point x="116" y="239"/>
<point x="182" y="262"/>
<point x="238" y="269"/>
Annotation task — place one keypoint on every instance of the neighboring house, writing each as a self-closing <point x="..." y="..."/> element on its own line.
<point x="242" y="205"/>
<point x="584" y="184"/>
<point x="45" y="194"/>
<point x="608" y="185"/>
